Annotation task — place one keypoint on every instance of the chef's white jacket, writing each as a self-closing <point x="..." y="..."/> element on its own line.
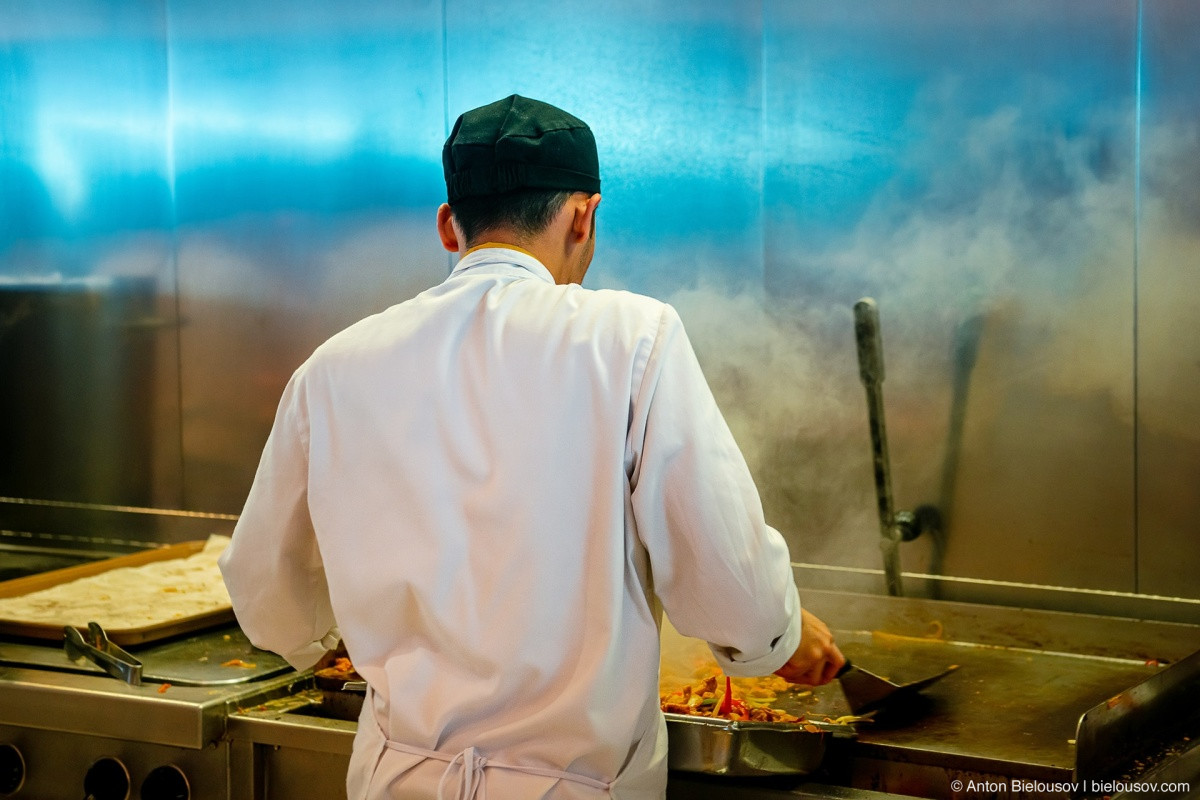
<point x="486" y="491"/>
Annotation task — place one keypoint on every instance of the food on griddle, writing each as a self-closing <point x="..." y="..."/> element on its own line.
<point x="851" y="719"/>
<point x="340" y="670"/>
<point x="237" y="662"/>
<point x="705" y="699"/>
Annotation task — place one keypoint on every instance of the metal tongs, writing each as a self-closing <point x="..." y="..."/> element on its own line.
<point x="103" y="653"/>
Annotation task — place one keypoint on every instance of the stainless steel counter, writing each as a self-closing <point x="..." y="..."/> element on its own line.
<point x="62" y="724"/>
<point x="292" y="751"/>
<point x="1009" y="712"/>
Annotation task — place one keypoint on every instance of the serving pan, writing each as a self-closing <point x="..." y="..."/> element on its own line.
<point x="342" y="697"/>
<point x="717" y="746"/>
<point x="711" y="745"/>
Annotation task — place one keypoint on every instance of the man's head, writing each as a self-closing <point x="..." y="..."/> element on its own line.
<point x="525" y="213"/>
<point x="520" y="171"/>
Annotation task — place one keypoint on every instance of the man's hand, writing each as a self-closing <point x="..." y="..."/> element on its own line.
<point x="817" y="659"/>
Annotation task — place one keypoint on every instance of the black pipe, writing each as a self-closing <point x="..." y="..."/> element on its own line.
<point x="870" y="369"/>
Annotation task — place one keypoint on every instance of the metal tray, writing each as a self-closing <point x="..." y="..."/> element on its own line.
<point x="744" y="749"/>
<point x="219" y="657"/>
<point x="121" y="636"/>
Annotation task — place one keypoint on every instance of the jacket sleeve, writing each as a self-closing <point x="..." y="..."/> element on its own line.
<point x="722" y="574"/>
<point x="272" y="567"/>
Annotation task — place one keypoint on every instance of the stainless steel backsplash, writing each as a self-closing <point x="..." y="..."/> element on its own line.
<point x="194" y="195"/>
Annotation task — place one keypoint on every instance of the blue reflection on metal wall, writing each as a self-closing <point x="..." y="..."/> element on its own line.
<point x="272" y="170"/>
<point x="673" y="93"/>
<point x="87" y="332"/>
<point x="306" y="149"/>
<point x="83" y="128"/>
<point x="317" y="121"/>
<point x="901" y="111"/>
<point x="972" y="166"/>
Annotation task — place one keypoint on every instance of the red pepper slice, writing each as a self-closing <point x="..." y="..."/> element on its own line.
<point x="727" y="700"/>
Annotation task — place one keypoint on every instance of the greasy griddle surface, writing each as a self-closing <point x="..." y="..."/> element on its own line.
<point x="1011" y="705"/>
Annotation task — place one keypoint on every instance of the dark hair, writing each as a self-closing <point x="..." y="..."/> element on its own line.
<point x="527" y="212"/>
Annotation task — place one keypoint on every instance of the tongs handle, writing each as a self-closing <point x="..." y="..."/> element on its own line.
<point x="98" y="649"/>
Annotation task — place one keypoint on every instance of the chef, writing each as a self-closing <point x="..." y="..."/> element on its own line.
<point x="492" y="491"/>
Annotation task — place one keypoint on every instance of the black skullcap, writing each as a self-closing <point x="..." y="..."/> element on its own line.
<point x="518" y="143"/>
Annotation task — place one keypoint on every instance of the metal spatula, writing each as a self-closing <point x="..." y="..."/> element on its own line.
<point x="866" y="691"/>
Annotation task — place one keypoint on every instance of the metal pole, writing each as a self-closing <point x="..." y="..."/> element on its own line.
<point x="870" y="367"/>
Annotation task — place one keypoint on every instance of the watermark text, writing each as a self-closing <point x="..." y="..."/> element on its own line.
<point x="1018" y="786"/>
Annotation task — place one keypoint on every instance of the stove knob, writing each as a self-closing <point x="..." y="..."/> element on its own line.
<point x="107" y="779"/>
<point x="166" y="783"/>
<point x="12" y="770"/>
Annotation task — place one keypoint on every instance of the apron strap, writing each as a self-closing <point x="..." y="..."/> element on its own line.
<point x="469" y="765"/>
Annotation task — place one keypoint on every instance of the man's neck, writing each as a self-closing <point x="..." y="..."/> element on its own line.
<point x="534" y="248"/>
<point x="505" y="245"/>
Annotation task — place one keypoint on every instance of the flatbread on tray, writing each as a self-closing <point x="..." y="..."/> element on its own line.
<point x="130" y="597"/>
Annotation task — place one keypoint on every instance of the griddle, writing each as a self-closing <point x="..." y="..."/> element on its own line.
<point x="1011" y="708"/>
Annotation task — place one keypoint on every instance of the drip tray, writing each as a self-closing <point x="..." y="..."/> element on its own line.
<point x="219" y="657"/>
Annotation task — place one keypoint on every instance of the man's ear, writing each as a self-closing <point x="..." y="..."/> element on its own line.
<point x="584" y="221"/>
<point x="445" y="225"/>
